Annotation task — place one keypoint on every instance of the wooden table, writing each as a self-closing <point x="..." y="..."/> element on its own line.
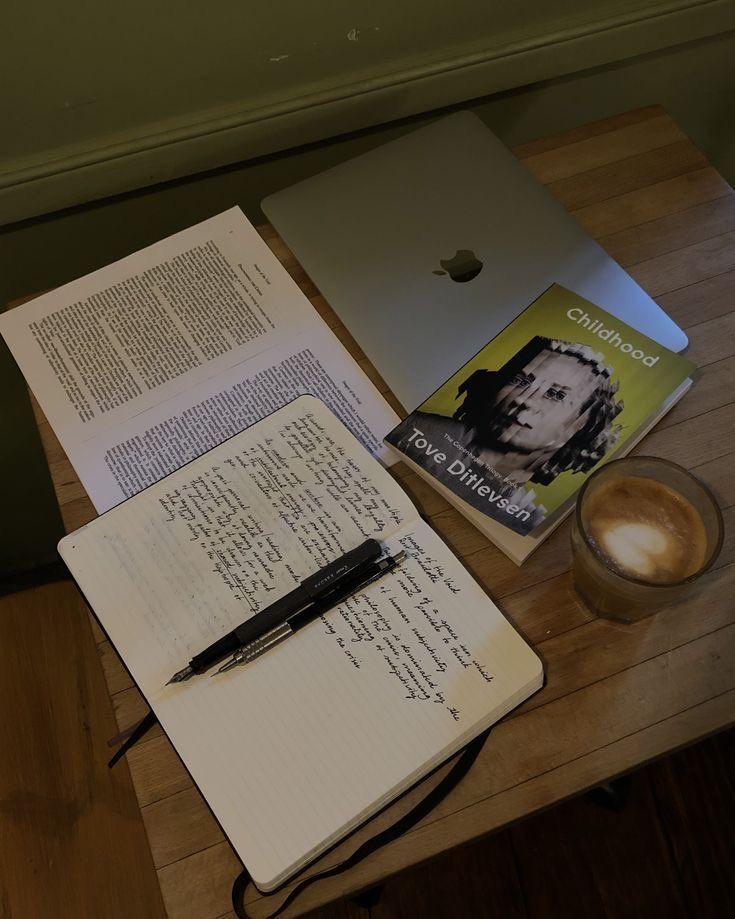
<point x="616" y="695"/>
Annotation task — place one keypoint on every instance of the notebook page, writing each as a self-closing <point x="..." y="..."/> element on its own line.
<point x="306" y="742"/>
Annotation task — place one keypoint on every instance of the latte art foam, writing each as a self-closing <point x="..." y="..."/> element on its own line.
<point x="645" y="529"/>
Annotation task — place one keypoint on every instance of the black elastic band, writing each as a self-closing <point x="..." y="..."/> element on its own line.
<point x="140" y="730"/>
<point x="418" y="812"/>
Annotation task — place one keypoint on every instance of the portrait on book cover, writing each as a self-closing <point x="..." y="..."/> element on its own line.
<point x="549" y="409"/>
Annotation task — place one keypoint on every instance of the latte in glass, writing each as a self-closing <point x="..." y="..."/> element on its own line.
<point x="644" y="531"/>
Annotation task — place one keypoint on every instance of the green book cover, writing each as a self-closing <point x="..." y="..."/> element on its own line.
<point x="517" y="429"/>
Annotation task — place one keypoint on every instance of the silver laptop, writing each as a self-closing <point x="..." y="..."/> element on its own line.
<point x="428" y="246"/>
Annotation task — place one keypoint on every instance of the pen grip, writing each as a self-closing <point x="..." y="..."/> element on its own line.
<point x="249" y="630"/>
<point x="216" y="652"/>
<point x="270" y="617"/>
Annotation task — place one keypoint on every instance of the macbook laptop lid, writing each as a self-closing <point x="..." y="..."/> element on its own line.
<point x="428" y="246"/>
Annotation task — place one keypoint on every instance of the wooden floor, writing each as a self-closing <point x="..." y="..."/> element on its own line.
<point x="668" y="853"/>
<point x="72" y="840"/>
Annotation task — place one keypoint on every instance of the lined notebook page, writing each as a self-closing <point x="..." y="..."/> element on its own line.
<point x="294" y="750"/>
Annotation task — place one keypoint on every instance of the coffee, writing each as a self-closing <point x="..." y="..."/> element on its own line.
<point x="643" y="529"/>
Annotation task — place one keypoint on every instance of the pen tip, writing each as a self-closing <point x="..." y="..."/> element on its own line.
<point x="181" y="675"/>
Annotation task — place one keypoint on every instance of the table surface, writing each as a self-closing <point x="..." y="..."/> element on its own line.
<point x="616" y="695"/>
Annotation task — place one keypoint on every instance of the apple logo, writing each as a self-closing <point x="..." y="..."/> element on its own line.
<point x="462" y="267"/>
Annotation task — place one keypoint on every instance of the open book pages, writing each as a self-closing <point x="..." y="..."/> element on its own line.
<point x="301" y="746"/>
<point x="511" y="437"/>
<point x="148" y="362"/>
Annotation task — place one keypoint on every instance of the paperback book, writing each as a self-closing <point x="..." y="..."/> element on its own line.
<point x="512" y="435"/>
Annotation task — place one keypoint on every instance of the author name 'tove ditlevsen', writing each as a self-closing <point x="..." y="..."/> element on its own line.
<point x="468" y="478"/>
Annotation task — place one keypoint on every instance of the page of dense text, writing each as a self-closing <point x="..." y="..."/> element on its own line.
<point x="140" y="451"/>
<point x="164" y="324"/>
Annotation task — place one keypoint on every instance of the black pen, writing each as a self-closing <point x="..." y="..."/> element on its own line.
<point x="344" y="591"/>
<point x="311" y="589"/>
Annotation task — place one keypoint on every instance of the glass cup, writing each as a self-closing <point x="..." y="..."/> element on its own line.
<point x="606" y="591"/>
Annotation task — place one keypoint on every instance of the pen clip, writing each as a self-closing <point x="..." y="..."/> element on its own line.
<point x="325" y="579"/>
<point x="310" y="590"/>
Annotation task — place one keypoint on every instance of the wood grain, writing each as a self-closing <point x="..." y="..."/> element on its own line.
<point x="671" y="233"/>
<point x="423" y="892"/>
<point x="72" y="844"/>
<point x="616" y="696"/>
<point x="610" y="871"/>
<point x="627" y="213"/>
<point x="606" y="126"/>
<point x="667" y="852"/>
<point x="628" y="174"/>
<point x="695" y="796"/>
<point x="589" y="153"/>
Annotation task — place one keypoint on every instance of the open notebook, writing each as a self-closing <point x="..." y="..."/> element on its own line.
<point x="301" y="746"/>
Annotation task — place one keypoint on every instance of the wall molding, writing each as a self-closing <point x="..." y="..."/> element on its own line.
<point x="188" y="145"/>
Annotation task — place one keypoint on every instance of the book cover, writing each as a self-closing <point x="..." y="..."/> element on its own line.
<point x="515" y="431"/>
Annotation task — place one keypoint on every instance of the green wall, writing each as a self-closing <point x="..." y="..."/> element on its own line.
<point x="102" y="98"/>
<point x="695" y="82"/>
